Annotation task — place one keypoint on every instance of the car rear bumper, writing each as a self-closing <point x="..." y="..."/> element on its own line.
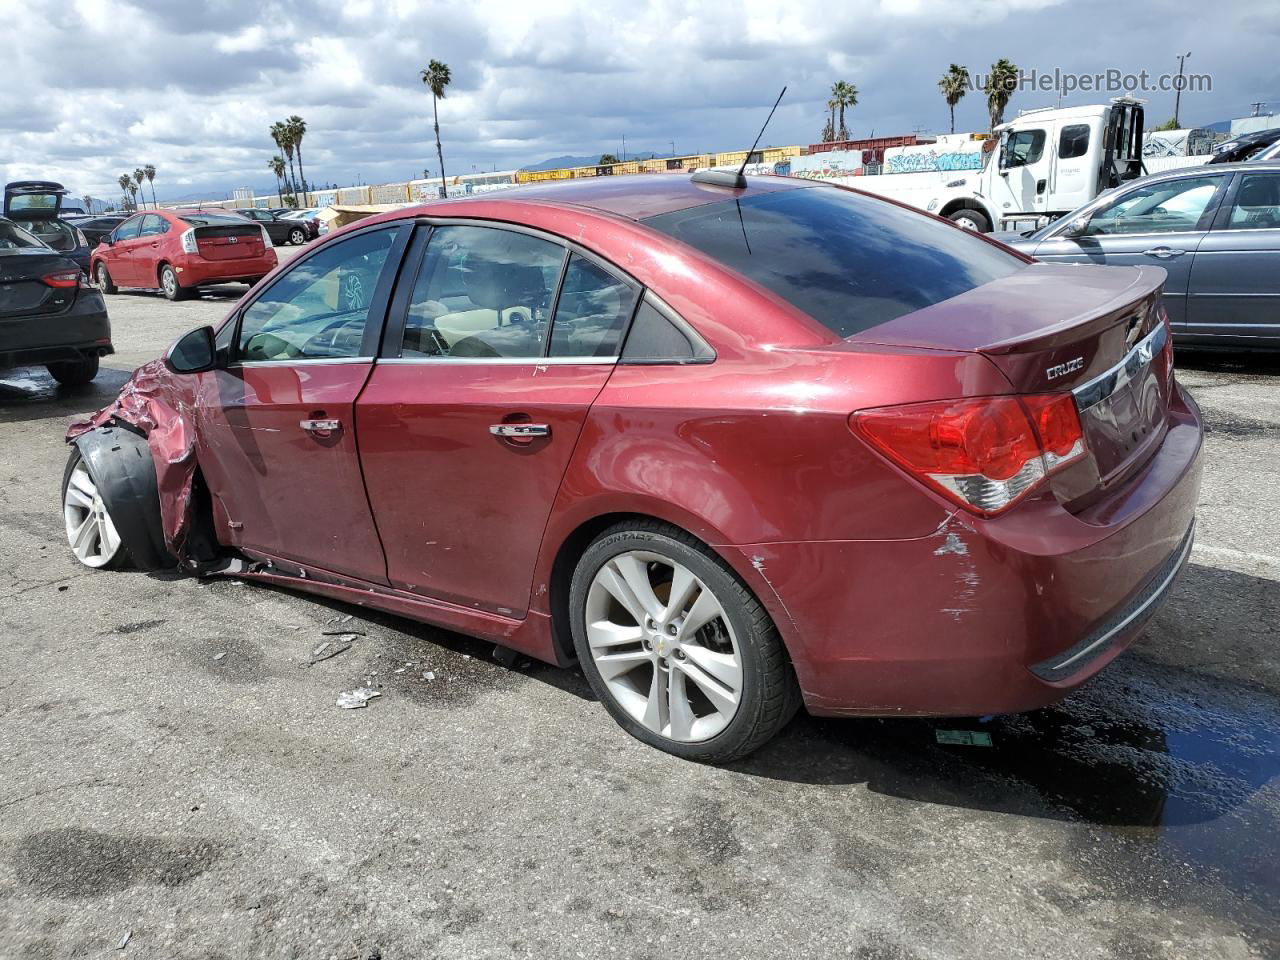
<point x="83" y="331"/>
<point x="986" y="616"/>
<point x="197" y="271"/>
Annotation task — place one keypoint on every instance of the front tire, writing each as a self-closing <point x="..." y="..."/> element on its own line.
<point x="297" y="236"/>
<point x="170" y="286"/>
<point x="90" y="530"/>
<point x="676" y="647"/>
<point x="970" y="220"/>
<point x="103" y="278"/>
<point x="74" y="373"/>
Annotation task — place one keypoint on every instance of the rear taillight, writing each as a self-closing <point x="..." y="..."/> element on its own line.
<point x="63" y="278"/>
<point x="189" y="244"/>
<point x="985" y="453"/>
<point x="266" y="237"/>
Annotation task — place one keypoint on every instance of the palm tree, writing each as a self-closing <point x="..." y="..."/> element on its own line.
<point x="297" y="130"/>
<point x="280" y="134"/>
<point x="437" y="77"/>
<point x="138" y="176"/>
<point x="124" y="180"/>
<point x="829" y="131"/>
<point x="133" y="193"/>
<point x="999" y="87"/>
<point x="150" y="171"/>
<point x="88" y="203"/>
<point x="845" y="95"/>
<point x="953" y="86"/>
<point x="276" y="164"/>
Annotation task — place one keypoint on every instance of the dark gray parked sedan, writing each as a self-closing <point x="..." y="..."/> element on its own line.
<point x="1215" y="229"/>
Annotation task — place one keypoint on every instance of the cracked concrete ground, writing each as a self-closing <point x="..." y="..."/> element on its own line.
<point x="176" y="777"/>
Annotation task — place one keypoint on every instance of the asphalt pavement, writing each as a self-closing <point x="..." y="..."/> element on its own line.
<point x="178" y="781"/>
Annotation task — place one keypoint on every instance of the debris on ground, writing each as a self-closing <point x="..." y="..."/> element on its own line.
<point x="428" y="675"/>
<point x="343" y="633"/>
<point x="963" y="738"/>
<point x="330" y="649"/>
<point x="359" y="697"/>
<point x="124" y="941"/>
<point x="220" y="656"/>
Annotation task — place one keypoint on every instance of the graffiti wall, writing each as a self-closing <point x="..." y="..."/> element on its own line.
<point x="929" y="160"/>
<point x="831" y="165"/>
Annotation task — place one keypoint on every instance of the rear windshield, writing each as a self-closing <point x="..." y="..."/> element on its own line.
<point x="54" y="233"/>
<point x="849" y="261"/>
<point x="13" y="237"/>
<point x="212" y="220"/>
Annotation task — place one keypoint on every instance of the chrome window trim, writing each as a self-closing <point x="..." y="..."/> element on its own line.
<point x="505" y="361"/>
<point x="1104" y="385"/>
<point x="289" y="361"/>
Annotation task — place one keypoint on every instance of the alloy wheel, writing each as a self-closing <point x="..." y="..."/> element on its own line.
<point x="90" y="531"/>
<point x="663" y="646"/>
<point x="170" y="282"/>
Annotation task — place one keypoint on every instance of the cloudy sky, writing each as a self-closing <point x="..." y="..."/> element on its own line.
<point x="103" y="86"/>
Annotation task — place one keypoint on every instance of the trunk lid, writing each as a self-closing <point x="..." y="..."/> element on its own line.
<point x="33" y="199"/>
<point x="22" y="292"/>
<point x="229" y="241"/>
<point x="1096" y="332"/>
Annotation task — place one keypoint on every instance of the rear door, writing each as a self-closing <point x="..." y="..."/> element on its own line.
<point x="277" y="422"/>
<point x="1155" y="224"/>
<point x="1234" y="292"/>
<point x="467" y="426"/>
<point x="146" y="251"/>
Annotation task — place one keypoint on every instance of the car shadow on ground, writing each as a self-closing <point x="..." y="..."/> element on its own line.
<point x="1256" y="362"/>
<point x="30" y="393"/>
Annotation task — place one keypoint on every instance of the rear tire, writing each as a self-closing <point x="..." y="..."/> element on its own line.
<point x="970" y="220"/>
<point x="170" y="286"/>
<point x="103" y="279"/>
<point x="297" y="236"/>
<point x="74" y="373"/>
<point x="673" y="689"/>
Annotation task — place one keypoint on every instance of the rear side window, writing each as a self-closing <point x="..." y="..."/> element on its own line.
<point x="658" y="338"/>
<point x="592" y="312"/>
<point x="1073" y="141"/>
<point x="1257" y="203"/>
<point x="849" y="261"/>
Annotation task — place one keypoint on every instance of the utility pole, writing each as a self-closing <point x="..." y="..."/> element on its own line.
<point x="1177" y="97"/>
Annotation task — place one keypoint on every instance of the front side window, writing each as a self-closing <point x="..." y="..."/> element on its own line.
<point x="320" y="308"/>
<point x="482" y="292"/>
<point x="1173" y="206"/>
<point x="1257" y="203"/>
<point x="129" y="229"/>
<point x="592" y="312"/>
<point x="1073" y="141"/>
<point x="1023" y="148"/>
<point x="848" y="260"/>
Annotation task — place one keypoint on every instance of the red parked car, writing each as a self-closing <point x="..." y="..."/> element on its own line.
<point x="730" y="449"/>
<point x="178" y="251"/>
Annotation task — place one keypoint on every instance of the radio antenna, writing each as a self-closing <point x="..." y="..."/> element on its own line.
<point x="732" y="178"/>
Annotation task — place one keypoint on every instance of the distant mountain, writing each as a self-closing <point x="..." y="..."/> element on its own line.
<point x="556" y="163"/>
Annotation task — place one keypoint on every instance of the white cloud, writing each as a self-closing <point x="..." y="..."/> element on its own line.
<point x="108" y="85"/>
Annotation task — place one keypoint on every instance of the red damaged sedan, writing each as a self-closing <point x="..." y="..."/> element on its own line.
<point x="731" y="449"/>
<point x="179" y="251"/>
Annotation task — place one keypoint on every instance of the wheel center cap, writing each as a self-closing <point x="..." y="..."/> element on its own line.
<point x="660" y="645"/>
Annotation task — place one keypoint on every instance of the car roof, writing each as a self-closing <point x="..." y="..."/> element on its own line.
<point x="1203" y="169"/>
<point x="637" y="196"/>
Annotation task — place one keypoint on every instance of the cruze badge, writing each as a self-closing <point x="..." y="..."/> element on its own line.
<point x="1062" y="369"/>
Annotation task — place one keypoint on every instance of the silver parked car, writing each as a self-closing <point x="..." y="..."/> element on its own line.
<point x="1215" y="229"/>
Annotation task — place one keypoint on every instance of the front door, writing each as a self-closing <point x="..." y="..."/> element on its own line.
<point x="467" y="427"/>
<point x="1023" y="176"/>
<point x="1235" y="278"/>
<point x="1159" y="224"/>
<point x="278" y="422"/>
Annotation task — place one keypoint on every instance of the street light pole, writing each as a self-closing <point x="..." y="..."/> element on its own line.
<point x="1177" y="97"/>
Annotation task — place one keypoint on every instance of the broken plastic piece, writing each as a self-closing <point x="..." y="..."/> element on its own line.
<point x="124" y="941"/>
<point x="359" y="697"/>
<point x="330" y="649"/>
<point x="219" y="656"/>
<point x="963" y="738"/>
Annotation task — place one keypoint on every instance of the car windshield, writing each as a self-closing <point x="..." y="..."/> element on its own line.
<point x="211" y="219"/>
<point x="848" y="260"/>
<point x="53" y="233"/>
<point x="13" y="237"/>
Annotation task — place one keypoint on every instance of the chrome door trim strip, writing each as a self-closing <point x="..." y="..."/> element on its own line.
<point x="503" y="361"/>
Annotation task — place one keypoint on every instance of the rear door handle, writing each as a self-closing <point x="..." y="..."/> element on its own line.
<point x="520" y="429"/>
<point x="1164" y="253"/>
<point x="320" y="428"/>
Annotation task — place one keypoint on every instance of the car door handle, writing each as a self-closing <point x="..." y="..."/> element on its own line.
<point x="320" y="428"/>
<point x="1164" y="253"/>
<point x="520" y="430"/>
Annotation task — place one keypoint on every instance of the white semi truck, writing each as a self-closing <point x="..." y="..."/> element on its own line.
<point x="1033" y="170"/>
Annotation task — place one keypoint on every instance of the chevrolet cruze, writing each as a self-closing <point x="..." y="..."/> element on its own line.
<point x="732" y="449"/>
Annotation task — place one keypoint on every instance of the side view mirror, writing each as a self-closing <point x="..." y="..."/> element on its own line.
<point x="1077" y="227"/>
<point x="193" y="352"/>
<point x="108" y="239"/>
